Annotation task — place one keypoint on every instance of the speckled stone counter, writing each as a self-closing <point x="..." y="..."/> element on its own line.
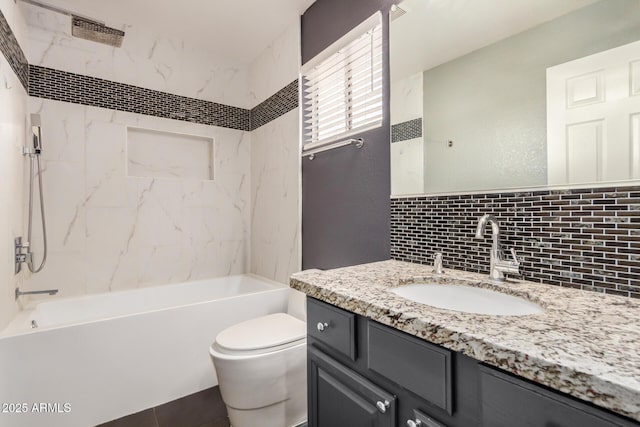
<point x="585" y="344"/>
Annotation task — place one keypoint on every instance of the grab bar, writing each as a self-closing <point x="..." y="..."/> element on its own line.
<point x="359" y="143"/>
<point x="46" y="291"/>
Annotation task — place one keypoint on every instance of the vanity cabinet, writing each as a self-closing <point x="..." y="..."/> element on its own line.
<point x="362" y="373"/>
<point x="506" y="398"/>
<point x="372" y="375"/>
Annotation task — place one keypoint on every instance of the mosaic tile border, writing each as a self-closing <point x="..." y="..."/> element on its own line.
<point x="11" y="50"/>
<point x="580" y="238"/>
<point x="278" y="104"/>
<point x="60" y="85"/>
<point x="70" y="87"/>
<point x="406" y="130"/>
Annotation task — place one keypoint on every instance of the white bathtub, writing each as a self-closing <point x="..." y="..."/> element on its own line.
<point x="96" y="358"/>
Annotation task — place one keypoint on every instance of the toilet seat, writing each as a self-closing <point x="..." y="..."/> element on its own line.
<point x="261" y="335"/>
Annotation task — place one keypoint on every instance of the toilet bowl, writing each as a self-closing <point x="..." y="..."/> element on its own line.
<point x="261" y="369"/>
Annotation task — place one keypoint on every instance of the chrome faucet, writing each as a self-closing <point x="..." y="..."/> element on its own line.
<point x="498" y="265"/>
<point x="46" y="291"/>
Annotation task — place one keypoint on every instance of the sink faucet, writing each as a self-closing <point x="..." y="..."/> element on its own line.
<point x="498" y="265"/>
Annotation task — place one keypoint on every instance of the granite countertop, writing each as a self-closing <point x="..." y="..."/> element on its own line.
<point x="585" y="344"/>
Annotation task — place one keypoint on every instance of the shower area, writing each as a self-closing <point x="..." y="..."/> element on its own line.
<point x="130" y="169"/>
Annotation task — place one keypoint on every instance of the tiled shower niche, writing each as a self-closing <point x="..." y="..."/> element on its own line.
<point x="579" y="238"/>
<point x="158" y="154"/>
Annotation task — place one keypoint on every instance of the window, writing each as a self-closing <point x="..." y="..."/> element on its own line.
<point x="342" y="86"/>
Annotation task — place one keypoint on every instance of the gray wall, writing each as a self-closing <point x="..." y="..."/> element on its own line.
<point x="345" y="192"/>
<point x="492" y="102"/>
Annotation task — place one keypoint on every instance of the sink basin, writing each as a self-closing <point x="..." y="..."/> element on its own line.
<point x="468" y="299"/>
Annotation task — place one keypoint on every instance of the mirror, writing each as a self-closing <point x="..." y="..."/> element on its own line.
<point x="505" y="94"/>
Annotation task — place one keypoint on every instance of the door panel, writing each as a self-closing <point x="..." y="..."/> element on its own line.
<point x="591" y="105"/>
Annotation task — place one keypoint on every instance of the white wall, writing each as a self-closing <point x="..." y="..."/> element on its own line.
<point x="13" y="108"/>
<point x="275" y="165"/>
<point x="108" y="231"/>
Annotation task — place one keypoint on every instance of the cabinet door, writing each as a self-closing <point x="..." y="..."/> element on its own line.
<point x="508" y="401"/>
<point x="340" y="397"/>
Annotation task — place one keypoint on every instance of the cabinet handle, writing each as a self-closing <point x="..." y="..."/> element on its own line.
<point x="322" y="326"/>
<point x="382" y="406"/>
<point x="422" y="420"/>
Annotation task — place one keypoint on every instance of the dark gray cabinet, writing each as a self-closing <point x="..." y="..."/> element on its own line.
<point x="362" y="373"/>
<point x="506" y="398"/>
<point x="340" y="397"/>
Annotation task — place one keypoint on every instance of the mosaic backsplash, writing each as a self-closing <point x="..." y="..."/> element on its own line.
<point x="406" y="130"/>
<point x="581" y="238"/>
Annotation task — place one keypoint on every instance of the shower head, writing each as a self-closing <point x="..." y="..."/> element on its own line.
<point x="36" y="131"/>
<point x="396" y="12"/>
<point x="95" y="31"/>
<point x="84" y="27"/>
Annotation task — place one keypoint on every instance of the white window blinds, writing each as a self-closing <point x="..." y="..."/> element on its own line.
<point x="342" y="87"/>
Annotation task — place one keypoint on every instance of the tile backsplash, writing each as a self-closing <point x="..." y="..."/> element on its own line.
<point x="579" y="238"/>
<point x="406" y="130"/>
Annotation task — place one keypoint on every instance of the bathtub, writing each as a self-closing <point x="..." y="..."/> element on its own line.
<point x="96" y="358"/>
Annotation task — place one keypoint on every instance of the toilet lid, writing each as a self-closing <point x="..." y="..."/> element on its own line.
<point x="273" y="330"/>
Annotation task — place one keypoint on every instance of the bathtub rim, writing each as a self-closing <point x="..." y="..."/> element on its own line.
<point x="19" y="325"/>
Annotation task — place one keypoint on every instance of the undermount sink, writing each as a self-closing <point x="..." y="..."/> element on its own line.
<point x="468" y="299"/>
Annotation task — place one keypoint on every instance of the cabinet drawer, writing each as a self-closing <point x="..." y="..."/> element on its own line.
<point x="509" y="401"/>
<point x="332" y="326"/>
<point x="420" y="367"/>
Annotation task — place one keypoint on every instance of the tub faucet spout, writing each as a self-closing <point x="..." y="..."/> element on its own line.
<point x="45" y="291"/>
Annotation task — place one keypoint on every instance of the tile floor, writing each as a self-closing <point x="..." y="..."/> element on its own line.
<point x="202" y="409"/>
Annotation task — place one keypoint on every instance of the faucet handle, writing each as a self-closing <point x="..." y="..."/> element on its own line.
<point x="437" y="263"/>
<point x="510" y="266"/>
<point x="515" y="257"/>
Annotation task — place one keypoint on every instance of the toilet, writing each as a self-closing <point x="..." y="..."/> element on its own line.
<point x="262" y="372"/>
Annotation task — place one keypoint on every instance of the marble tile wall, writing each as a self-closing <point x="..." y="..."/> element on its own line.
<point x="114" y="231"/>
<point x="407" y="148"/>
<point x="146" y="59"/>
<point x="109" y="231"/>
<point x="275" y="165"/>
<point x="13" y="108"/>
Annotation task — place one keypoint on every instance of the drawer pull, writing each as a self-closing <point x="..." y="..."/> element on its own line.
<point x="382" y="406"/>
<point x="422" y="420"/>
<point x="322" y="326"/>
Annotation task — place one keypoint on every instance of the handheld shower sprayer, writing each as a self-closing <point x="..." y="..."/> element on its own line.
<point x="36" y="130"/>
<point x="23" y="253"/>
